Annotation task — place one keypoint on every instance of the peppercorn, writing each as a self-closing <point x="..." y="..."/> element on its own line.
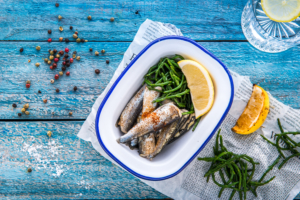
<point x="51" y="81"/>
<point x="78" y="40"/>
<point x="89" y="17"/>
<point x="56" y="76"/>
<point x="91" y="49"/>
<point x="51" y="67"/>
<point x="29" y="170"/>
<point x="61" y="52"/>
<point x="28" y="82"/>
<point x="57" y="55"/>
<point x="68" y="73"/>
<point x="67" y="40"/>
<point x="96" y="53"/>
<point x="102" y="51"/>
<point x="49" y="62"/>
<point x="70" y="113"/>
<point x="74" y="52"/>
<point x="86" y="40"/>
<point x="49" y="133"/>
<point x="21" y="50"/>
<point x="37" y="64"/>
<point x="71" y="27"/>
<point x="66" y="55"/>
<point x="56" y="4"/>
<point x="54" y="51"/>
<point x="51" y="52"/>
<point x="23" y="110"/>
<point x="76" y="32"/>
<point x="56" y="60"/>
<point x="74" y="55"/>
<point x="75" y="36"/>
<point x="45" y="100"/>
<point x="67" y="50"/>
<point x="61" y="39"/>
<point x="59" y="17"/>
<point x="75" y="88"/>
<point x="57" y="90"/>
<point x="78" y="58"/>
<point x="46" y="60"/>
<point x="39" y="92"/>
<point x="107" y="61"/>
<point x="14" y="105"/>
<point x="27" y="85"/>
<point x="61" y="28"/>
<point x="97" y="71"/>
<point x="49" y="40"/>
<point x="38" y="48"/>
<point x="112" y="19"/>
<point x="82" y="40"/>
<point x="26" y="106"/>
<point x="71" y="60"/>
<point x="27" y="112"/>
<point x="60" y="73"/>
<point x="29" y="61"/>
<point x="19" y="114"/>
<point x="63" y="68"/>
<point x="68" y="64"/>
<point x="54" y="65"/>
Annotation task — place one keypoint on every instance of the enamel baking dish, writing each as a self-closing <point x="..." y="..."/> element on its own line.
<point x="177" y="155"/>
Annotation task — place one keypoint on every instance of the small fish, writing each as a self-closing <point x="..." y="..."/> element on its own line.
<point x="130" y="113"/>
<point x="159" y="118"/>
<point x="164" y="136"/>
<point x="148" y="104"/>
<point x="146" y="144"/>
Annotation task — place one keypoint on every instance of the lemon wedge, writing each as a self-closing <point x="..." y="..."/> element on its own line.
<point x="255" y="112"/>
<point x="200" y="85"/>
<point x="281" y="10"/>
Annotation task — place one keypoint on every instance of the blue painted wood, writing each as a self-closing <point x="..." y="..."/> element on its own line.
<point x="199" y="20"/>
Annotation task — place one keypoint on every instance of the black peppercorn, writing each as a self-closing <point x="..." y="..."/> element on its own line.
<point x="68" y="64"/>
<point x="107" y="61"/>
<point x="19" y="114"/>
<point x="14" y="105"/>
<point x="49" y="50"/>
<point x="54" y="51"/>
<point x="75" y="88"/>
<point x="49" y="31"/>
<point x="74" y="52"/>
<point x="71" y="27"/>
<point x="66" y="56"/>
<point x="39" y="92"/>
<point x="57" y="90"/>
<point x="21" y="50"/>
<point x="29" y="170"/>
<point x="91" y="49"/>
<point x="63" y="68"/>
<point x="97" y="71"/>
<point x="67" y="40"/>
<point x="82" y="40"/>
<point x="57" y="4"/>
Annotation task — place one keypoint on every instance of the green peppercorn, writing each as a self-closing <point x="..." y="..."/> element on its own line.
<point x="75" y="36"/>
<point x="78" y="58"/>
<point x="23" y="110"/>
<point x="26" y="106"/>
<point x="51" y="52"/>
<point x="61" y="73"/>
<point x="49" y="62"/>
<point x="51" y="57"/>
<point x="57" y="56"/>
<point x="28" y="82"/>
<point x="38" y="48"/>
<point x="37" y="64"/>
<point x="46" y="60"/>
<point x="96" y="53"/>
<point x="27" y="112"/>
<point x="78" y="40"/>
<point x="59" y="17"/>
<point x="49" y="133"/>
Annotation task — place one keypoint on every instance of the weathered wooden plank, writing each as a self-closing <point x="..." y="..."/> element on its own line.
<point x="63" y="166"/>
<point x="199" y="20"/>
<point x="275" y="72"/>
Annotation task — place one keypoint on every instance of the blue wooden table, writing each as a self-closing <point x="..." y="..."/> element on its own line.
<point x="65" y="166"/>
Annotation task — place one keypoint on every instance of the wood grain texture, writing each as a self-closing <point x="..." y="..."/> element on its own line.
<point x="199" y="20"/>
<point x="63" y="166"/>
<point x="277" y="73"/>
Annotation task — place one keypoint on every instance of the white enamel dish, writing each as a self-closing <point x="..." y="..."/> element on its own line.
<point x="177" y="155"/>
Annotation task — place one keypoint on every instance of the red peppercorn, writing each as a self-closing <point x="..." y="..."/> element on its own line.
<point x="27" y="85"/>
<point x="71" y="60"/>
<point x="66" y="50"/>
<point x="51" y="67"/>
<point x="56" y="76"/>
<point x="64" y="62"/>
<point x="55" y="59"/>
<point x="56" y="4"/>
<point x="49" y="40"/>
<point x="61" y="52"/>
<point x="68" y="73"/>
<point x="54" y="65"/>
<point x="76" y="32"/>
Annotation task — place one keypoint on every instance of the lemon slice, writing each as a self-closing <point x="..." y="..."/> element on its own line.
<point x="255" y="112"/>
<point x="281" y="10"/>
<point x="200" y="85"/>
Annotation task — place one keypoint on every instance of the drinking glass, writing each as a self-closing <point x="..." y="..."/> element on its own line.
<point x="266" y="34"/>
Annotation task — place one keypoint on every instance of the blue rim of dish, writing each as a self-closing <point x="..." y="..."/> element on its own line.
<point x="121" y="76"/>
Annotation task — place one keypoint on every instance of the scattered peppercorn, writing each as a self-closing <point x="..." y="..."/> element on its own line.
<point x="75" y="88"/>
<point x="68" y="64"/>
<point x="63" y="68"/>
<point x="66" y="55"/>
<point x="68" y="73"/>
<point x="46" y="60"/>
<point x="89" y="17"/>
<point x="82" y="40"/>
<point x="112" y="19"/>
<point x="49" y="40"/>
<point x="14" y="105"/>
<point x="107" y="61"/>
<point x="67" y="50"/>
<point x="102" y="51"/>
<point x="55" y="59"/>
<point x="76" y="32"/>
<point x="70" y="113"/>
<point x="61" y="39"/>
<point x="97" y="71"/>
<point x="57" y="55"/>
<point x="59" y="17"/>
<point x="75" y="36"/>
<point x="29" y="60"/>
<point x="56" y="4"/>
<point x="49" y="31"/>
<point x="54" y="51"/>
<point x="49" y="133"/>
<point x="74" y="55"/>
<point x="27" y="112"/>
<point x="19" y="114"/>
<point x="37" y="64"/>
<point x="71" y="27"/>
<point x="54" y="65"/>
<point x="38" y="48"/>
<point x="23" y="110"/>
<point x="74" y="52"/>
<point x="78" y="40"/>
<point x="45" y="100"/>
<point x="61" y="28"/>
<point x="86" y="40"/>
<point x="29" y="170"/>
<point x="39" y="92"/>
<point x="51" y="81"/>
<point x="26" y="106"/>
<point x="49" y="62"/>
<point x="96" y="53"/>
<point x="56" y="76"/>
<point x="51" y="52"/>
<point x="71" y="60"/>
<point x="61" y="52"/>
<point x="57" y="90"/>
<point x="67" y="40"/>
<point x="51" y="67"/>
<point x="21" y="49"/>
<point x="60" y="73"/>
<point x="27" y="85"/>
<point x="91" y="49"/>
<point x="78" y="58"/>
<point x="28" y="82"/>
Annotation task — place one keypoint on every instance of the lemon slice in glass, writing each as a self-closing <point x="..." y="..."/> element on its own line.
<point x="281" y="10"/>
<point x="200" y="85"/>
